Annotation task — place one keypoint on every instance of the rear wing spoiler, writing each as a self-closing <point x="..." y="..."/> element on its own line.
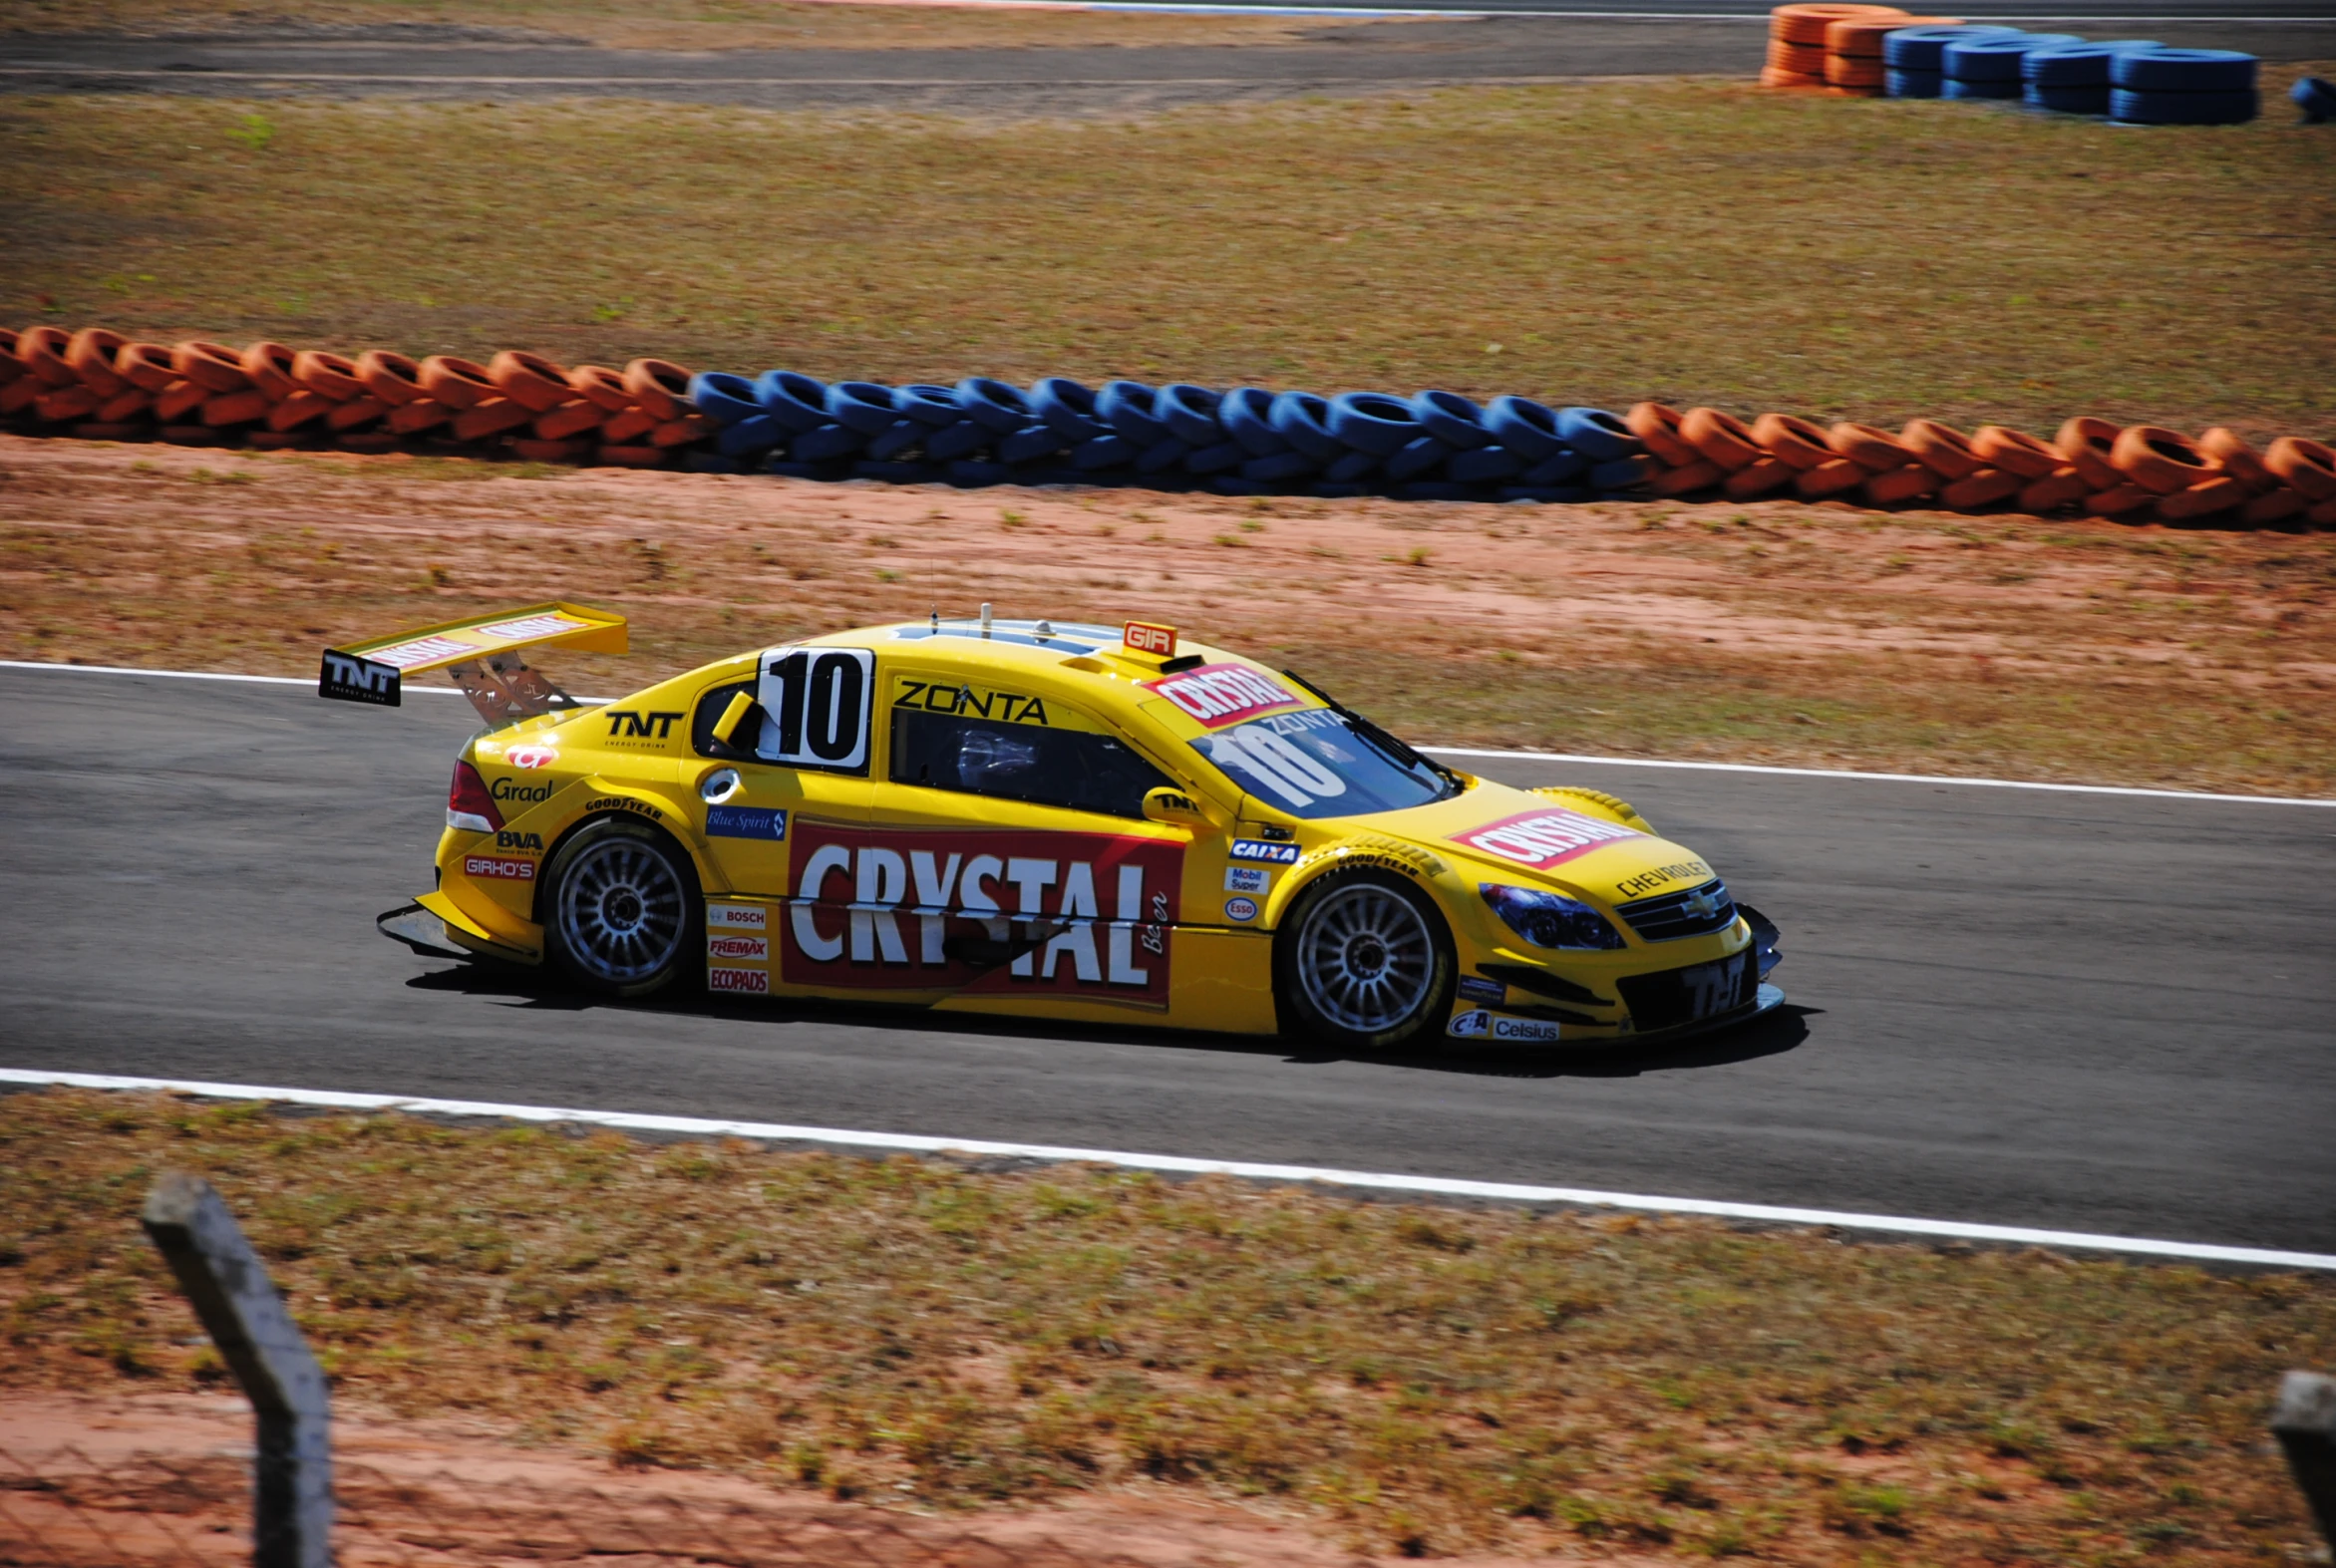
<point x="482" y="654"/>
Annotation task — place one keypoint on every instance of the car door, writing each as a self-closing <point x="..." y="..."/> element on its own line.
<point x="1007" y="856"/>
<point x="799" y="756"/>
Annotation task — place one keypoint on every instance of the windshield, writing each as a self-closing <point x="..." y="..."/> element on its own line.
<point x="1315" y="764"/>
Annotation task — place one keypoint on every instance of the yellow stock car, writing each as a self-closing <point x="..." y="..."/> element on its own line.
<point x="1064" y="821"/>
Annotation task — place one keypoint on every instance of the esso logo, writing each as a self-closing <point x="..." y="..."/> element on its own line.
<point x="1240" y="909"/>
<point x="531" y="756"/>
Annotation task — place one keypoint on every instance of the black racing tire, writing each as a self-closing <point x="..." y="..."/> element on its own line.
<point x="622" y="915"/>
<point x="1363" y="962"/>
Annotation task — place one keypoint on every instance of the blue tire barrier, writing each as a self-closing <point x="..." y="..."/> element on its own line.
<point x="1924" y="48"/>
<point x="1373" y="422"/>
<point x="1125" y="406"/>
<point x="1190" y="413"/>
<point x="895" y="438"/>
<point x="823" y="473"/>
<point x="1246" y="413"/>
<point x="1913" y="84"/>
<point x="971" y="475"/>
<point x="1451" y="418"/>
<point x="1349" y="468"/>
<point x="2068" y="100"/>
<point x="995" y="404"/>
<point x="1279" y="467"/>
<point x="1068" y="407"/>
<point x="1163" y="455"/>
<point x="1030" y="444"/>
<point x="1997" y="57"/>
<point x="1053" y="473"/>
<point x="1234" y="485"/>
<point x="751" y="437"/>
<point x="1223" y="457"/>
<point x="2127" y="106"/>
<point x="1561" y="468"/>
<point x="794" y="400"/>
<point x="1303" y="420"/>
<point x="1623" y="474"/>
<point x="1415" y="458"/>
<point x="1433" y="490"/>
<point x="2315" y="96"/>
<point x="2075" y="65"/>
<point x="1483" y="466"/>
<point x="2165" y="70"/>
<point x="864" y="406"/>
<point x="1108" y="451"/>
<point x="898" y="472"/>
<point x="1955" y="87"/>
<point x="961" y="439"/>
<point x="1597" y="434"/>
<point x="1333" y="489"/>
<point x="928" y="405"/>
<point x="722" y="398"/>
<point x="1525" y="427"/>
<point x="826" y="443"/>
<point x="713" y="463"/>
<point x="1545" y="493"/>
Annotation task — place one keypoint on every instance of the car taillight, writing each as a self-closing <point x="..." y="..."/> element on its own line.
<point x="468" y="805"/>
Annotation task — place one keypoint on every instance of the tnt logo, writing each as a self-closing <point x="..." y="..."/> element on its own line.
<point x="353" y="678"/>
<point x="1146" y="637"/>
<point x="640" y="725"/>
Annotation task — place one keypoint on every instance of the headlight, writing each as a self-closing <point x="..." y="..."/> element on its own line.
<point x="1548" y="919"/>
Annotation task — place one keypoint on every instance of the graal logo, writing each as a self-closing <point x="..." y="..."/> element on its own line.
<point x="1472" y="1024"/>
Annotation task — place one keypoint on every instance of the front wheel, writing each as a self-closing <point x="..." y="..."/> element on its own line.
<point x="623" y="909"/>
<point x="1364" y="963"/>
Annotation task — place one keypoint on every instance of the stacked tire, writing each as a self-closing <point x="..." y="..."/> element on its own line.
<point x="1799" y="49"/>
<point x="2184" y="86"/>
<point x="1993" y="65"/>
<point x="2073" y="78"/>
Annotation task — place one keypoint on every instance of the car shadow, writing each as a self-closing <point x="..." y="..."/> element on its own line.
<point x="1771" y="1033"/>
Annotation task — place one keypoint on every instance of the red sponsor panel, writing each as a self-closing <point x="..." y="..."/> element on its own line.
<point x="985" y="911"/>
<point x="1222" y="693"/>
<point x="749" y="982"/>
<point x="499" y="868"/>
<point x="1542" y="840"/>
<point x="1146" y="637"/>
<point x="739" y="948"/>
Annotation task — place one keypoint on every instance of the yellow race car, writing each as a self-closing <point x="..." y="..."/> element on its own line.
<point x="1075" y="822"/>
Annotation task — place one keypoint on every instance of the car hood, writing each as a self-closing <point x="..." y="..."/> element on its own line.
<point x="1513" y="835"/>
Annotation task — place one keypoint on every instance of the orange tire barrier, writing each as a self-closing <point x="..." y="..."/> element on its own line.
<point x="269" y="365"/>
<point x="2015" y="453"/>
<point x="1758" y="478"/>
<point x="1796" y="441"/>
<point x="1847" y="71"/>
<point x="2323" y="516"/>
<point x="328" y="375"/>
<point x="1720" y="437"/>
<point x="1828" y="479"/>
<point x="60" y="404"/>
<point x="624" y="428"/>
<point x="359" y="412"/>
<point x="412" y="419"/>
<point x="1806" y="24"/>
<point x="1778" y="76"/>
<point x="235" y="408"/>
<point x="1799" y="59"/>
<point x="490" y="416"/>
<point x="209" y="364"/>
<point x="457" y="383"/>
<point x="146" y="365"/>
<point x="2160" y="460"/>
<point x="2306" y="465"/>
<point x="2117" y="502"/>
<point x="1685" y="480"/>
<point x="43" y="351"/>
<point x="2085" y="444"/>
<point x="1870" y="447"/>
<point x="568" y="419"/>
<point x="660" y="387"/>
<point x="91" y="352"/>
<point x="393" y="378"/>
<point x="623" y="457"/>
<point x="179" y="400"/>
<point x="531" y="380"/>
<point x="603" y="385"/>
<point x="1656" y="426"/>
<point x="2238" y="459"/>
<point x="2272" y="507"/>
<point x="534" y="450"/>
<point x="300" y="408"/>
<point x="1941" y="448"/>
<point x="125" y="405"/>
<point x="680" y="431"/>
<point x="2202" y="500"/>
<point x="2061" y="488"/>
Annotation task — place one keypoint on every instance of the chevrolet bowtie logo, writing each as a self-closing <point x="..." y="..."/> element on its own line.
<point x="1702" y="905"/>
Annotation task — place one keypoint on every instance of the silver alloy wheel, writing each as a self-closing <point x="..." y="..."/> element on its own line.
<point x="620" y="911"/>
<point x="1365" y="958"/>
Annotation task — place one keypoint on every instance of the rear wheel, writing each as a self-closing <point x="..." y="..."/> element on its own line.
<point x="624" y="910"/>
<point x="1363" y="962"/>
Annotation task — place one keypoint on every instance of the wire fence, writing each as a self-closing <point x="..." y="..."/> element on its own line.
<point x="69" y="1507"/>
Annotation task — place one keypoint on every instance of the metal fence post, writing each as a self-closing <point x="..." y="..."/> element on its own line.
<point x="2305" y="1424"/>
<point x="292" y="1481"/>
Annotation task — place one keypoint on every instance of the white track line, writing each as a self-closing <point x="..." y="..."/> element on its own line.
<point x="1506" y="1191"/>
<point x="1442" y="750"/>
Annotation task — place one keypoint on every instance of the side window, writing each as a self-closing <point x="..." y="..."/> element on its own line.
<point x="1078" y="770"/>
<point x="708" y="713"/>
<point x="812" y="709"/>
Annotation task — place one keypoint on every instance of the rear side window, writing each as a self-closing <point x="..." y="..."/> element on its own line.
<point x="1078" y="769"/>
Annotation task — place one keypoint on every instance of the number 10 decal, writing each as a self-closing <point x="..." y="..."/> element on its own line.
<point x="817" y="701"/>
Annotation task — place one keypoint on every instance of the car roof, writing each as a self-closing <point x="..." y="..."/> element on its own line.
<point x="1056" y="648"/>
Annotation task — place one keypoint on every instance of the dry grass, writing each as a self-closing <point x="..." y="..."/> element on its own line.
<point x="1417" y="1380"/>
<point x="1776" y="632"/>
<point x="1596" y="242"/>
<point x="669" y="24"/>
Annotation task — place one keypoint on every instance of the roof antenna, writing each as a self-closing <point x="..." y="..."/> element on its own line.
<point x="985" y="618"/>
<point x="936" y="615"/>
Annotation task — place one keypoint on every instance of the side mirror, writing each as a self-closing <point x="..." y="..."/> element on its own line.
<point x="1174" y="808"/>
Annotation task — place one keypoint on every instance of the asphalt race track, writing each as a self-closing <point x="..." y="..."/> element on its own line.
<point x="1622" y="37"/>
<point x="2095" y="1013"/>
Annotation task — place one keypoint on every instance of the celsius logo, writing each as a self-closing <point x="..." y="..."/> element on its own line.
<point x="511" y="789"/>
<point x="531" y="756"/>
